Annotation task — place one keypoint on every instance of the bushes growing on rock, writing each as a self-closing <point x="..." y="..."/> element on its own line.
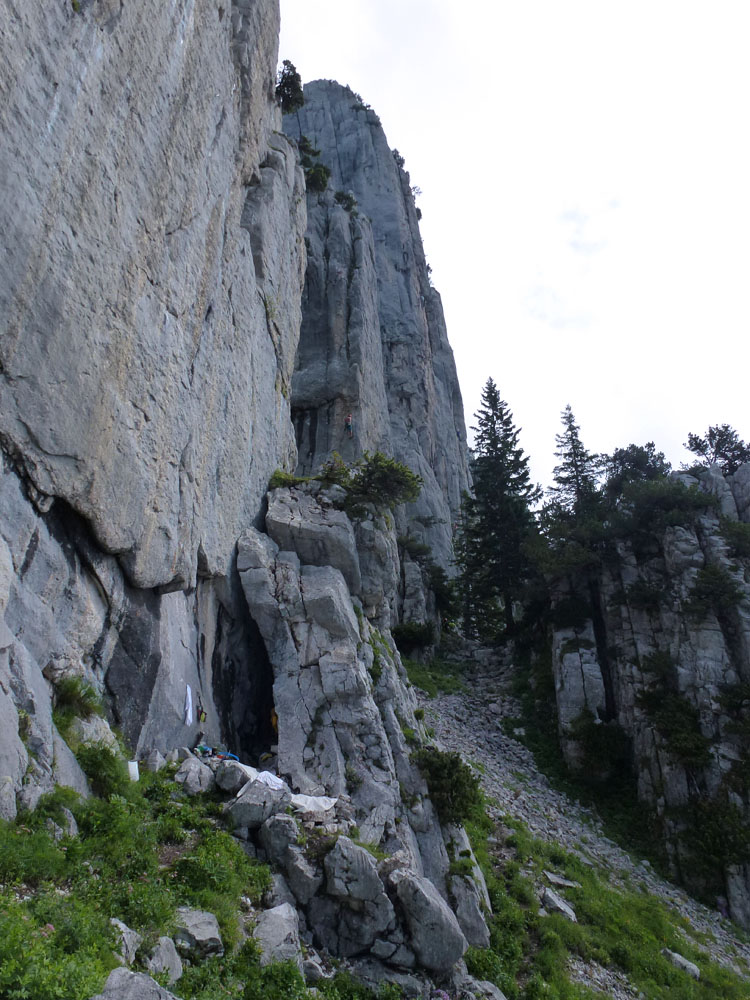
<point x="452" y="785"/>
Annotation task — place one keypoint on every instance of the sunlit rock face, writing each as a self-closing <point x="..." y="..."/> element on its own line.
<point x="373" y="339"/>
<point x="662" y="655"/>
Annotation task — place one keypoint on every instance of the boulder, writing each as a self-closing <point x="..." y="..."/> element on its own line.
<point x="304" y="880"/>
<point x="194" y="776"/>
<point x="351" y="872"/>
<point x="129" y="941"/>
<point x="469" y="911"/>
<point x="164" y="958"/>
<point x="277" y="834"/>
<point x="682" y="963"/>
<point x="435" y="935"/>
<point x="155" y="761"/>
<point x="257" y="803"/>
<point x="554" y="903"/>
<point x="123" y="984"/>
<point x="231" y="776"/>
<point x="197" y="933"/>
<point x="277" y="933"/>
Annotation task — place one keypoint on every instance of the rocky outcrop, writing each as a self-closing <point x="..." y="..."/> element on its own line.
<point x="373" y="340"/>
<point x="652" y="664"/>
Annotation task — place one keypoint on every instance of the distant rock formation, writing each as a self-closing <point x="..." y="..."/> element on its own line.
<point x="656" y="649"/>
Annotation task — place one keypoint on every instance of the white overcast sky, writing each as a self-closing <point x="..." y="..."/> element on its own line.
<point x="585" y="169"/>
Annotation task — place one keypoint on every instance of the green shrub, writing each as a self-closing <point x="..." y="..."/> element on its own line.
<point x="381" y="481"/>
<point x="452" y="785"/>
<point x="106" y="770"/>
<point x="678" y="722"/>
<point x="413" y="635"/>
<point x="435" y="676"/>
<point x="281" y="981"/>
<point x="30" y="857"/>
<point x="737" y="536"/>
<point x="347" y="201"/>
<point x="74" y="699"/>
<point x="605" y="746"/>
<point x="285" y="480"/>
<point x="645" y="596"/>
<point x="714" y="591"/>
<point x="316" y="177"/>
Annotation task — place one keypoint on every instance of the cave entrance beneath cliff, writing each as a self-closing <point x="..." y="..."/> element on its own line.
<point x="243" y="687"/>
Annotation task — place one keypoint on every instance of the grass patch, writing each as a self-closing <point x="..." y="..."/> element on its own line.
<point x="619" y="929"/>
<point x="437" y="676"/>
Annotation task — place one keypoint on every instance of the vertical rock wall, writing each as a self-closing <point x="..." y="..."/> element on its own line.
<point x="373" y="338"/>
<point x="152" y="260"/>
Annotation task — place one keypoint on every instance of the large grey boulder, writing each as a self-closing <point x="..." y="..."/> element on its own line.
<point x="256" y="803"/>
<point x="122" y="984"/>
<point x="129" y="941"/>
<point x="194" y="776"/>
<point x="277" y="933"/>
<point x="197" y="933"/>
<point x="351" y="872"/>
<point x="317" y="532"/>
<point x="303" y="877"/>
<point x="434" y="932"/>
<point x="164" y="958"/>
<point x="277" y="834"/>
<point x="468" y="910"/>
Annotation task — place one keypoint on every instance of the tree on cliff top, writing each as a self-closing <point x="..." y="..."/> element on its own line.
<point x="496" y="520"/>
<point x="289" y="88"/>
<point x="721" y="444"/>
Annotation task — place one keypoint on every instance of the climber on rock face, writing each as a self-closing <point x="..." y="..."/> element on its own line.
<point x="348" y="425"/>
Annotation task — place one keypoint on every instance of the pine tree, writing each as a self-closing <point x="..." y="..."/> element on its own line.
<point x="575" y="489"/>
<point x="496" y="520"/>
<point x="721" y="443"/>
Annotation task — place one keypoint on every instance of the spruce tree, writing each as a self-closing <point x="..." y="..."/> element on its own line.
<point x="575" y="490"/>
<point x="496" y="520"/>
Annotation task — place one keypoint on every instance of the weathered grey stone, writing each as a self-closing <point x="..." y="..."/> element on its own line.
<point x="303" y="879"/>
<point x="553" y="902"/>
<point x="279" y="892"/>
<point x="351" y="872"/>
<point x="197" y="933"/>
<point x="435" y="934"/>
<point x="194" y="776"/>
<point x="373" y="335"/>
<point x="257" y="803"/>
<point x="277" y="933"/>
<point x="122" y="984"/>
<point x="682" y="963"/>
<point x="154" y="277"/>
<point x="469" y="911"/>
<point x="164" y="958"/>
<point x="129" y="941"/>
<point x="277" y="834"/>
<point x="155" y="761"/>
<point x="320" y="535"/>
<point x="231" y="776"/>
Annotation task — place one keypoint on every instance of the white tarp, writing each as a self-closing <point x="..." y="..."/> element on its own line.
<point x="313" y="803"/>
<point x="188" y="706"/>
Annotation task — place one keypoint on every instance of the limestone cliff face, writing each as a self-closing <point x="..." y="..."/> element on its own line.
<point x="151" y="220"/>
<point x="152" y="264"/>
<point x="373" y="340"/>
<point x="665" y="655"/>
